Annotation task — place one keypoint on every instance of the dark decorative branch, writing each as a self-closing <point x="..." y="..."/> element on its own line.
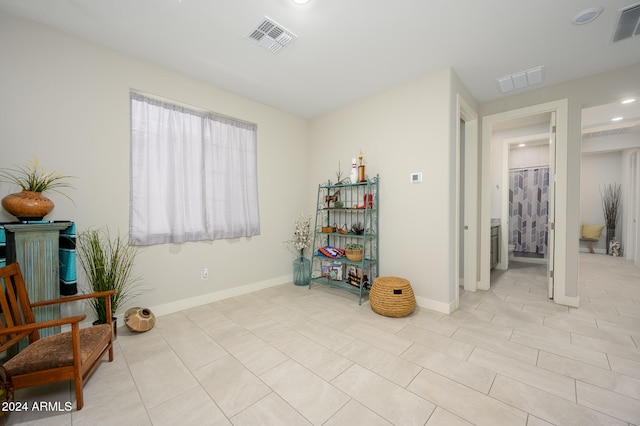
<point x="611" y="195"/>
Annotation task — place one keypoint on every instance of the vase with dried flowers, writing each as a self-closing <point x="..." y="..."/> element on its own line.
<point x="611" y="195"/>
<point x="301" y="241"/>
<point x="30" y="203"/>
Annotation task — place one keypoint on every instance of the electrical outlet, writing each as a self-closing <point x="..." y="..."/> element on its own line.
<point x="205" y="274"/>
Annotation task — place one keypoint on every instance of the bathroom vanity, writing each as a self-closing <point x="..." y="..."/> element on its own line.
<point x="495" y="242"/>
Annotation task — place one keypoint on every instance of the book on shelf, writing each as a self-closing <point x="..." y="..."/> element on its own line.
<point x="332" y="270"/>
<point x="354" y="275"/>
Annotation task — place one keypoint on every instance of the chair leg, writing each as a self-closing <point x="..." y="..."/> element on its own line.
<point x="79" y="396"/>
<point x="591" y="246"/>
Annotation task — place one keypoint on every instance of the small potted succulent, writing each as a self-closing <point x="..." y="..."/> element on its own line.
<point x="353" y="252"/>
<point x="357" y="228"/>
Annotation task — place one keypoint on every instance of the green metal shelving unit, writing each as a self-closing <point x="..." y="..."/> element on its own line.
<point x="360" y="205"/>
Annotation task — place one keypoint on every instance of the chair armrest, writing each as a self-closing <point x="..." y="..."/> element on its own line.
<point x="44" y="324"/>
<point x="73" y="298"/>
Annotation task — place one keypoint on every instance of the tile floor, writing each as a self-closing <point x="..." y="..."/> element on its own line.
<point x="293" y="356"/>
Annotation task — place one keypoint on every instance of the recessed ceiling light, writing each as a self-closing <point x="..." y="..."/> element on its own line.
<point x="522" y="144"/>
<point x="587" y="15"/>
<point x="617" y="118"/>
<point x="300" y="1"/>
<point x="628" y="101"/>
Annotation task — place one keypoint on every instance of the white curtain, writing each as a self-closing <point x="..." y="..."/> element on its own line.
<point x="193" y="175"/>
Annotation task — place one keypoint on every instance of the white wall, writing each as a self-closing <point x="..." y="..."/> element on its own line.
<point x="499" y="141"/>
<point x="529" y="157"/>
<point x="67" y="101"/>
<point x="598" y="170"/>
<point x="409" y="128"/>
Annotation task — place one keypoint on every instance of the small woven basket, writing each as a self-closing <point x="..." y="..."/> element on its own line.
<point x="354" y="255"/>
<point x="392" y="297"/>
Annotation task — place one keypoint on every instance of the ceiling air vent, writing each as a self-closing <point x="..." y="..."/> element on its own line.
<point x="271" y="35"/>
<point x="610" y="132"/>
<point x="628" y="24"/>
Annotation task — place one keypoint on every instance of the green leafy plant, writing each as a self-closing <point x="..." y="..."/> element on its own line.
<point x="108" y="265"/>
<point x="353" y="246"/>
<point x="33" y="177"/>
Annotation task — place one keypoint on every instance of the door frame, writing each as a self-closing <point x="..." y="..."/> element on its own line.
<point x="504" y="210"/>
<point x="561" y="108"/>
<point x="632" y="213"/>
<point x="551" y="224"/>
<point x="467" y="221"/>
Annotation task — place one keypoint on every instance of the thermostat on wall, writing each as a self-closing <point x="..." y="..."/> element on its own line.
<point x="416" y="177"/>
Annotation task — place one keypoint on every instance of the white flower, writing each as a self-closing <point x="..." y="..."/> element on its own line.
<point x="302" y="234"/>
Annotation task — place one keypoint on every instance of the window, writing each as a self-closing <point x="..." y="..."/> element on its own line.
<point x="193" y="175"/>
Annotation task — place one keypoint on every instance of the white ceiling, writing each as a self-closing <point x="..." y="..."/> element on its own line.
<point x="347" y="49"/>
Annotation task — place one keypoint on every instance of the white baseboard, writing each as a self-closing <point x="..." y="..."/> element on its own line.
<point x="596" y="250"/>
<point x="434" y="305"/>
<point x="179" y="305"/>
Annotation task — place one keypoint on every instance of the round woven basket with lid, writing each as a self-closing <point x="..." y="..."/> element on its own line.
<point x="392" y="297"/>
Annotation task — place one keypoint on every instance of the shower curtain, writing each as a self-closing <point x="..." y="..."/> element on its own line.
<point x="528" y="207"/>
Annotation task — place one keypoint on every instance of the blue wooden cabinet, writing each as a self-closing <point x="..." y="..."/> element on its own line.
<point x="35" y="246"/>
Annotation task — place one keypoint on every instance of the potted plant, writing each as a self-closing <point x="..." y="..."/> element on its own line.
<point x="30" y="203"/>
<point x="357" y="228"/>
<point x="108" y="265"/>
<point x="353" y="252"/>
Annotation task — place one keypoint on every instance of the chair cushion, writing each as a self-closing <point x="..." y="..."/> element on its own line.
<point x="591" y="232"/>
<point x="56" y="351"/>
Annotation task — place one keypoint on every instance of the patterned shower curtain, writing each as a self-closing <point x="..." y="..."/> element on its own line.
<point x="528" y="207"/>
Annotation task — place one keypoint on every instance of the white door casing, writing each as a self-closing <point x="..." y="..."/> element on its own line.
<point x="561" y="108"/>
<point x="468" y="218"/>
<point x="551" y="224"/>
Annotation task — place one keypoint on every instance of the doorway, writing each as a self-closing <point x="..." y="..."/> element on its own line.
<point x="558" y="227"/>
<point x="467" y="235"/>
<point x="611" y="155"/>
<point x="525" y="203"/>
<point x="523" y="165"/>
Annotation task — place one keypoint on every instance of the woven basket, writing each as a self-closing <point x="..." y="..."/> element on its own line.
<point x="354" y="255"/>
<point x="392" y="297"/>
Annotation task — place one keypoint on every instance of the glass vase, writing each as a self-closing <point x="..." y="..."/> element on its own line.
<point x="301" y="271"/>
<point x="611" y="235"/>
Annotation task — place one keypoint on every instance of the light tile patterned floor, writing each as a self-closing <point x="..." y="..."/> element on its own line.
<point x="293" y="356"/>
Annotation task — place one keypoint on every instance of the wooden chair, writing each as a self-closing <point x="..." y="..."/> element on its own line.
<point x="590" y="234"/>
<point x="71" y="355"/>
